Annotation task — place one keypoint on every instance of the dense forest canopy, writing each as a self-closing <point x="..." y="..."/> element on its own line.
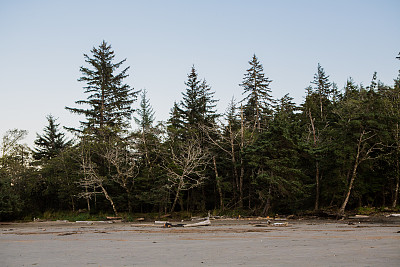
<point x="338" y="150"/>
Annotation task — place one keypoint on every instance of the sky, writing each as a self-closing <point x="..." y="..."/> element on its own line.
<point x="43" y="41"/>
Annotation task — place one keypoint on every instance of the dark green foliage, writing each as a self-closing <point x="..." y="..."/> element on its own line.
<point x="274" y="158"/>
<point x="11" y="204"/>
<point x="52" y="142"/>
<point x="258" y="99"/>
<point x="198" y="105"/>
<point x="338" y="150"/>
<point x="109" y="98"/>
<point x="145" y="113"/>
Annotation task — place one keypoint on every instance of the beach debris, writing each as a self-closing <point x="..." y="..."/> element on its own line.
<point x="280" y="224"/>
<point x="92" y="222"/>
<point x="113" y="218"/>
<point x="359" y="216"/>
<point x="167" y="224"/>
<point x="62" y="221"/>
<point x="269" y="223"/>
<point x="203" y="223"/>
<point x="160" y="222"/>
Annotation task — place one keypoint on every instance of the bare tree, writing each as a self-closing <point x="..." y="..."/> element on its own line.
<point x="363" y="153"/>
<point x="185" y="164"/>
<point x="92" y="182"/>
<point x="124" y="164"/>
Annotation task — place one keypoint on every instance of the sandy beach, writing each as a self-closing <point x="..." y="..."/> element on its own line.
<point x="224" y="243"/>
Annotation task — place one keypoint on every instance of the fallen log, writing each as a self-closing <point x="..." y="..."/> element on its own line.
<point x="203" y="223"/>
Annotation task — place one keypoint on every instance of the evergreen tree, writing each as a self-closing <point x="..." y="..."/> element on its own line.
<point x="110" y="99"/>
<point x="258" y="99"/>
<point x="274" y="159"/>
<point x="145" y="113"/>
<point x="359" y="131"/>
<point x="374" y="83"/>
<point x="175" y="121"/>
<point x="316" y="119"/>
<point x="322" y="87"/>
<point x="198" y="106"/>
<point x="207" y="104"/>
<point x="52" y="142"/>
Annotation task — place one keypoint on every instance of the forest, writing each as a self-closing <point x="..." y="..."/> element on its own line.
<point x="339" y="150"/>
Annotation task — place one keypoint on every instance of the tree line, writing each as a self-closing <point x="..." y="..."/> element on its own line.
<point x="339" y="149"/>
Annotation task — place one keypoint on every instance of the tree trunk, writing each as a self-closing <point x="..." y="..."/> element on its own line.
<point x="233" y="159"/>
<point x="353" y="175"/>
<point x="396" y="189"/>
<point x="316" y="207"/>
<point x="317" y="178"/>
<point x="73" y="203"/>
<point x="241" y="158"/>
<point x="268" y="204"/>
<point x="178" y="190"/>
<point x="241" y="184"/>
<point x="109" y="199"/>
<point x="128" y="192"/>
<point x="221" y="199"/>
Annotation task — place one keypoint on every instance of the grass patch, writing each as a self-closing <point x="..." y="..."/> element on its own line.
<point x="72" y="216"/>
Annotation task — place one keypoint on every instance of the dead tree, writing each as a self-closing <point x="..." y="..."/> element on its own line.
<point x="363" y="153"/>
<point x="124" y="166"/>
<point x="92" y="182"/>
<point x="185" y="164"/>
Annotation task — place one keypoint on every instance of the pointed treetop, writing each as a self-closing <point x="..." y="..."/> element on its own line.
<point x="145" y="112"/>
<point x="258" y="99"/>
<point x="52" y="142"/>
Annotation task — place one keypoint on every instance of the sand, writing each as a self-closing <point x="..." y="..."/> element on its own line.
<point x="224" y="243"/>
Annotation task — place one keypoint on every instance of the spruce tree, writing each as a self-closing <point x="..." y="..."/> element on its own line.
<point x="146" y="113"/>
<point x="207" y="104"/>
<point x="190" y="106"/>
<point x="322" y="88"/>
<point x="258" y="100"/>
<point x="52" y="142"/>
<point x="316" y="111"/>
<point x="198" y="106"/>
<point x="109" y="98"/>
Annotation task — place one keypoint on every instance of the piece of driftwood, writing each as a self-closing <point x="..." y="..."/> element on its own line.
<point x="114" y="218"/>
<point x="160" y="222"/>
<point x="280" y="224"/>
<point x="169" y="225"/>
<point x="203" y="223"/>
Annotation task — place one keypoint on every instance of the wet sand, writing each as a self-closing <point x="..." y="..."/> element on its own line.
<point x="224" y="243"/>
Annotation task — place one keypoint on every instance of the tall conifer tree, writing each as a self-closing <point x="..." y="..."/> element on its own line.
<point x="258" y="100"/>
<point x="109" y="98"/>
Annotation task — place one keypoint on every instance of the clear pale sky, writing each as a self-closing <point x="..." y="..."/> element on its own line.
<point x="43" y="42"/>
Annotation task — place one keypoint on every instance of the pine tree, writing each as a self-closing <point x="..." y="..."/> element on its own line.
<point x="207" y="104"/>
<point x="374" y="83"/>
<point x="274" y="159"/>
<point x="175" y="122"/>
<point x="146" y="113"/>
<point x="258" y="98"/>
<point x="322" y="87"/>
<point x="110" y="99"/>
<point x="52" y="142"/>
<point x="198" y="106"/>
